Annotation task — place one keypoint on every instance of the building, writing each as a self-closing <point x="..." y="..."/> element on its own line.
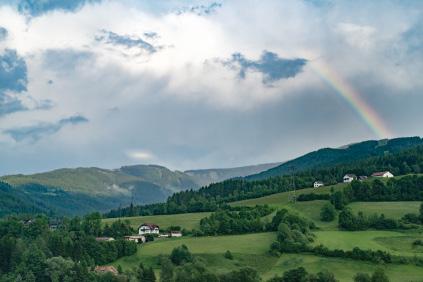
<point x="318" y="184"/>
<point x="104" y="239"/>
<point x="383" y="174"/>
<point x="348" y="178"/>
<point x="175" y="234"/>
<point x="139" y="239"/>
<point x="106" y="269"/>
<point x="148" y="228"/>
<point x="362" y="178"/>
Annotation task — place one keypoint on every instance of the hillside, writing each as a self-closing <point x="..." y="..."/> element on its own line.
<point x="206" y="176"/>
<point x="89" y="189"/>
<point x="335" y="156"/>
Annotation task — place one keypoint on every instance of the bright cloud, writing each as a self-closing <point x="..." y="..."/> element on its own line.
<point x="199" y="83"/>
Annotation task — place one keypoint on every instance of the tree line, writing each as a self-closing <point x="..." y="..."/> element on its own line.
<point x="217" y="195"/>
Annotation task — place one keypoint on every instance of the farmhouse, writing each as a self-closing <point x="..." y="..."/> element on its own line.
<point x="104" y="239"/>
<point x="139" y="239"/>
<point x="383" y="174"/>
<point x="175" y="234"/>
<point x="349" y="178"/>
<point x="148" y="228"/>
<point x="318" y="184"/>
<point x="106" y="269"/>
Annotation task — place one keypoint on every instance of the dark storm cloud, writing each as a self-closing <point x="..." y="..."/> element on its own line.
<point x="115" y="39"/>
<point x="35" y="132"/>
<point x="270" y="65"/>
<point x="37" y="7"/>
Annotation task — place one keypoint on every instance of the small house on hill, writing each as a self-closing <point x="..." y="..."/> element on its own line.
<point x="318" y="184"/>
<point x="139" y="239"/>
<point x="148" y="228"/>
<point x="383" y="174"/>
<point x="175" y="234"/>
<point x="106" y="269"/>
<point x="104" y="239"/>
<point x="348" y="178"/>
<point x="362" y="178"/>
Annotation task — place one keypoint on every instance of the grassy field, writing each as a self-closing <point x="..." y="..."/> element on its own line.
<point x="343" y="269"/>
<point x="186" y="220"/>
<point x="395" y="243"/>
<point x="281" y="199"/>
<point x="251" y="250"/>
<point x="389" y="209"/>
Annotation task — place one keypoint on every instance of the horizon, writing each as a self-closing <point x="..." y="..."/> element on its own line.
<point x="192" y="85"/>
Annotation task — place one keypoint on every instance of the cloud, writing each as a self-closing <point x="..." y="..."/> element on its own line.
<point x="109" y="37"/>
<point x="3" y="33"/>
<point x="39" y="7"/>
<point x="10" y="105"/>
<point x="65" y="61"/>
<point x="140" y="155"/>
<point x="13" y="72"/>
<point x="270" y="65"/>
<point x="35" y="132"/>
<point x="201" y="10"/>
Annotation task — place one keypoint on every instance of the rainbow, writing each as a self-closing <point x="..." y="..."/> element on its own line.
<point x="342" y="87"/>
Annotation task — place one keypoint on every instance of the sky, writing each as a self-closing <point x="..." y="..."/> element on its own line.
<point x="201" y="84"/>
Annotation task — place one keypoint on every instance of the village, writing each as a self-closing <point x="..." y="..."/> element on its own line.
<point x="348" y="178"/>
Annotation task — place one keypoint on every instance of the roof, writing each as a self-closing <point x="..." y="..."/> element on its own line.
<point x="350" y="175"/>
<point x="107" y="268"/>
<point x="318" y="182"/>
<point x="150" y="225"/>
<point x="105" y="239"/>
<point x="380" y="173"/>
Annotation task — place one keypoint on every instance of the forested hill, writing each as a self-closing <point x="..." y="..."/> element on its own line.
<point x="328" y="157"/>
<point x="209" y="198"/>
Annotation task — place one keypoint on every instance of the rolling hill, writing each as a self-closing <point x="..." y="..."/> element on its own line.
<point x="327" y="157"/>
<point x="95" y="189"/>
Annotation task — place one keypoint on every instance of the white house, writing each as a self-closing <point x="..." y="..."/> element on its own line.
<point x="136" y="238"/>
<point x="175" y="234"/>
<point x="148" y="228"/>
<point x="318" y="184"/>
<point x="349" y="178"/>
<point x="383" y="174"/>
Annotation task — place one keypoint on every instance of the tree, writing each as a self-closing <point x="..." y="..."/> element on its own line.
<point x="228" y="255"/>
<point x="328" y="212"/>
<point x="379" y="276"/>
<point x="295" y="275"/>
<point x="166" y="271"/>
<point x="362" y="277"/>
<point x="181" y="255"/>
<point x="242" y="275"/>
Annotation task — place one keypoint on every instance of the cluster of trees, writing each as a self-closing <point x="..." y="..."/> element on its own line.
<point x="407" y="188"/>
<point x="300" y="274"/>
<point x="348" y="221"/>
<point x="356" y="254"/>
<point x="247" y="220"/>
<point x="327" y="213"/>
<point x="216" y="195"/>
<point x="30" y="251"/>
<point x="293" y="233"/>
<point x="313" y="197"/>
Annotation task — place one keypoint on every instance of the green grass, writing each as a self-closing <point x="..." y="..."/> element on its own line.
<point x="281" y="199"/>
<point x="344" y="269"/>
<point x="251" y="244"/>
<point x="251" y="251"/>
<point x="389" y="209"/>
<point x="396" y="243"/>
<point x="186" y="220"/>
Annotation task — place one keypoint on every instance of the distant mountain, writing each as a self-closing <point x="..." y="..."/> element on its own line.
<point x="206" y="176"/>
<point x="333" y="156"/>
<point x="82" y="190"/>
